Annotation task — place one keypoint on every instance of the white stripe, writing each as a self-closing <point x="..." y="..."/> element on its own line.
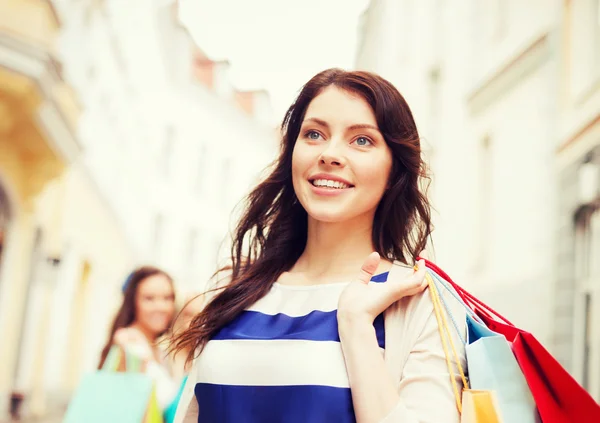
<point x="273" y="363"/>
<point x="299" y="301"/>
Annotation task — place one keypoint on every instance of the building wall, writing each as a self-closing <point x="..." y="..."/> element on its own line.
<point x="479" y="81"/>
<point x="182" y="154"/>
<point x="162" y="160"/>
<point x="508" y="108"/>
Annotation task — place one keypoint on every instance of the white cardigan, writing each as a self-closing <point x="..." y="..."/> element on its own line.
<point x="413" y="354"/>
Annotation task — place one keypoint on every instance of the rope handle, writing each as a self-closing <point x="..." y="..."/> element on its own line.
<point x="474" y="303"/>
<point x="445" y="332"/>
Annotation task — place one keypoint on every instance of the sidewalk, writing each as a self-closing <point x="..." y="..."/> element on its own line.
<point x="45" y="419"/>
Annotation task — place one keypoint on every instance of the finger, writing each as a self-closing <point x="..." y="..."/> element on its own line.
<point x="369" y="267"/>
<point x="424" y="255"/>
<point x="421" y="269"/>
<point x="414" y="281"/>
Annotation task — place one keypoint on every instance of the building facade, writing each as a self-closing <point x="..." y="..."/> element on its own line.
<point x="577" y="282"/>
<point x="118" y="147"/>
<point x="507" y="107"/>
<point x="55" y="228"/>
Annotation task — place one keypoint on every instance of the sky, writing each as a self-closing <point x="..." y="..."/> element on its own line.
<point x="275" y="45"/>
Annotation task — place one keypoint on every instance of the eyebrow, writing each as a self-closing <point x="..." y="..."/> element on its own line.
<point x="350" y="128"/>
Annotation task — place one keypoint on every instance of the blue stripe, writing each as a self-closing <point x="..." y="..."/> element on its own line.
<point x="382" y="277"/>
<point x="273" y="404"/>
<point x="315" y="326"/>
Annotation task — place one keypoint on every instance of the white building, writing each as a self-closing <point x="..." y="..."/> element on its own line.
<point x="170" y="141"/>
<point x="169" y="146"/>
<point x="492" y="86"/>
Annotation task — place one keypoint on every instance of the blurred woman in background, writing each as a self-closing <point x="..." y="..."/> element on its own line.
<point x="145" y="315"/>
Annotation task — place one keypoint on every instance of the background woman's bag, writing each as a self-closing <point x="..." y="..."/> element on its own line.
<point x="118" y="393"/>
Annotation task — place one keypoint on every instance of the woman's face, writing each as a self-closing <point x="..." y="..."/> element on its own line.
<point x="341" y="163"/>
<point x="155" y="304"/>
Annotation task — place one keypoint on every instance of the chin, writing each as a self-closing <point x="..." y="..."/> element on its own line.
<point x="159" y="329"/>
<point x="327" y="216"/>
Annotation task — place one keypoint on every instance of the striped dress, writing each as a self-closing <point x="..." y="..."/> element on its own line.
<point x="280" y="361"/>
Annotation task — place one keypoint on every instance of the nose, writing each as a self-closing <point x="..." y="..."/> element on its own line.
<point x="332" y="155"/>
<point x="163" y="305"/>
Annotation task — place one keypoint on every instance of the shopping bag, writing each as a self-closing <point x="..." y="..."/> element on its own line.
<point x="492" y="366"/>
<point x="171" y="410"/>
<point x="558" y="396"/>
<point x="115" y="396"/>
<point x="475" y="406"/>
<point x="480" y="407"/>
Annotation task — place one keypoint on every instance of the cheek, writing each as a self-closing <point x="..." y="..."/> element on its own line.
<point x="142" y="309"/>
<point x="300" y="163"/>
<point x="376" y="174"/>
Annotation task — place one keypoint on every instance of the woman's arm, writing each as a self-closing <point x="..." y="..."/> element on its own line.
<point x="374" y="391"/>
<point x="423" y="393"/>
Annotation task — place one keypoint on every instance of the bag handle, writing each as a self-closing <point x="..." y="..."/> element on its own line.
<point x="444" y="331"/>
<point x="474" y="303"/>
<point x="119" y="359"/>
<point x="114" y="358"/>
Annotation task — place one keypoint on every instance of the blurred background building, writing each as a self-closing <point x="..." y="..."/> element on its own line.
<point x="507" y="99"/>
<point x="122" y="142"/>
<point x="117" y="148"/>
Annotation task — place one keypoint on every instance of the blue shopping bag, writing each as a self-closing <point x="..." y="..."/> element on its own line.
<point x="492" y="366"/>
<point x="170" y="411"/>
<point x="115" y="397"/>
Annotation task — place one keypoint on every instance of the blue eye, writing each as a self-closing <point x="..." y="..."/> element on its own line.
<point x="312" y="135"/>
<point x="363" y="142"/>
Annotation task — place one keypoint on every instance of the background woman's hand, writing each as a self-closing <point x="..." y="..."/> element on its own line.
<point x="361" y="302"/>
<point x="129" y="336"/>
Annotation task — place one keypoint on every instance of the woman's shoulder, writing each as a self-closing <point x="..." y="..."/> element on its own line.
<point x="416" y="310"/>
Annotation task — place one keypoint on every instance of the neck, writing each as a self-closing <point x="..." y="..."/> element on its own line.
<point x="336" y="250"/>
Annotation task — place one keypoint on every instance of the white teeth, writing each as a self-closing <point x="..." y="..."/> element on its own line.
<point x="329" y="183"/>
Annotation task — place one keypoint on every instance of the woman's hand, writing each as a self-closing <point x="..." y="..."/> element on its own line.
<point x="129" y="336"/>
<point x="361" y="302"/>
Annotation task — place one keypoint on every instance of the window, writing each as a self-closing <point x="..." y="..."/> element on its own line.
<point x="4" y="219"/>
<point x="192" y="249"/>
<point x="157" y="239"/>
<point x="484" y="198"/>
<point x="407" y="23"/>
<point x="225" y="182"/>
<point x="587" y="300"/>
<point x="499" y="16"/>
<point x="201" y="170"/>
<point x="584" y="46"/>
<point x="167" y="150"/>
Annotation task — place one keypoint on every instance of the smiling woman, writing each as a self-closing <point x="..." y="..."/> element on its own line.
<point x="300" y="331"/>
<point x="145" y="315"/>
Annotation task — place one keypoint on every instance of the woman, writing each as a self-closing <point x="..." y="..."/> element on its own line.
<point x="145" y="316"/>
<point x="295" y="336"/>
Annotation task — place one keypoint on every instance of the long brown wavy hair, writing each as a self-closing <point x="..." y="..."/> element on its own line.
<point x="271" y="234"/>
<point x="126" y="314"/>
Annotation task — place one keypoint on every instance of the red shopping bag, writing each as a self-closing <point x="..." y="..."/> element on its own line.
<point x="558" y="396"/>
